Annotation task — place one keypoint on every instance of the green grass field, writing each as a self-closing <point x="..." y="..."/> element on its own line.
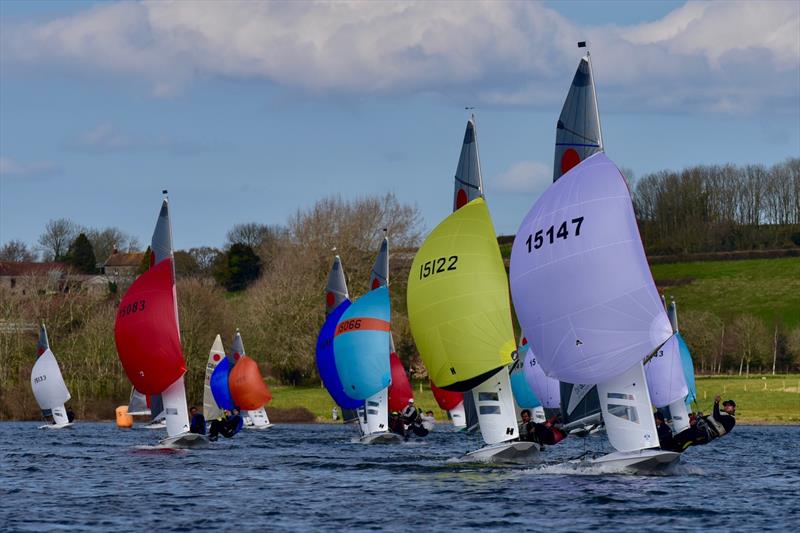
<point x="766" y="288"/>
<point x="778" y="403"/>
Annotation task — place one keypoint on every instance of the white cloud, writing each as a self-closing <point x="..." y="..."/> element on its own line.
<point x="11" y="168"/>
<point x="105" y="138"/>
<point x="728" y="56"/>
<point x="523" y="177"/>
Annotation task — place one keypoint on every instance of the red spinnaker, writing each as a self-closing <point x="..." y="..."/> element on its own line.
<point x="248" y="390"/>
<point x="446" y="399"/>
<point x="146" y="331"/>
<point x="400" y="390"/>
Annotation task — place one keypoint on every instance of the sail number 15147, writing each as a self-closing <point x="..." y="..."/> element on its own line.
<point x="538" y="239"/>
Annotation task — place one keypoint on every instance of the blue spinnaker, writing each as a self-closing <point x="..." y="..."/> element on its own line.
<point x="326" y="365"/>
<point x="361" y="345"/>
<point x="688" y="370"/>
<point x="219" y="385"/>
<point x="523" y="393"/>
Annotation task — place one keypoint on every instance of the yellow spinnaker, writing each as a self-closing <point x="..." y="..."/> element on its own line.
<point x="458" y="302"/>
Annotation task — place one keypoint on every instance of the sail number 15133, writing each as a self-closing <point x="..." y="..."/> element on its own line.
<point x="538" y="239"/>
<point x="437" y="266"/>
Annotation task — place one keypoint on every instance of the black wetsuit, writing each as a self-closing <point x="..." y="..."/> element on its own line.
<point x="527" y="432"/>
<point x="704" y="431"/>
<point x="665" y="437"/>
<point x="198" y="424"/>
<point x="548" y="434"/>
<point x="70" y="415"/>
<point x="227" y="428"/>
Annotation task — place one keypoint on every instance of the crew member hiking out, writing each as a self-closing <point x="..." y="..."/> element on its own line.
<point x="198" y="422"/>
<point x="227" y="427"/>
<point x="708" y="427"/>
<point x="665" y="437"/>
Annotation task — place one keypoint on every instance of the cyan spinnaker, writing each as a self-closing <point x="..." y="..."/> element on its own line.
<point x="688" y="370"/>
<point x="326" y="365"/>
<point x="523" y="394"/>
<point x="361" y="345"/>
<point x="219" y="384"/>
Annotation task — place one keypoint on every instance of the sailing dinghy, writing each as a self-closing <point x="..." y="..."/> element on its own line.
<point x="460" y="314"/>
<point x="453" y="403"/>
<point x="211" y="409"/>
<point x="583" y="291"/>
<point x="48" y="384"/>
<point x="148" y="339"/>
<point x="248" y="389"/>
<point x="336" y="303"/>
<point x="361" y="348"/>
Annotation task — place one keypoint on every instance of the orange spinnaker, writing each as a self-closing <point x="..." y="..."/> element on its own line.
<point x="248" y="390"/>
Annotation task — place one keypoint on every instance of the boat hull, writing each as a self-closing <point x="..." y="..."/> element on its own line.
<point x="639" y="461"/>
<point x="57" y="426"/>
<point x="185" y="440"/>
<point x="381" y="438"/>
<point x="253" y="426"/>
<point x="505" y="452"/>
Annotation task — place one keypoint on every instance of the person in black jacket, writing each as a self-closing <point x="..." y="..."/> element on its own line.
<point x="665" y="437"/>
<point x="708" y="428"/>
<point x="198" y="423"/>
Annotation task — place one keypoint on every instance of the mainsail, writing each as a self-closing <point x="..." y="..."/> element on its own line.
<point x="137" y="404"/>
<point x="211" y="409"/>
<point x="147" y="334"/>
<point x="47" y="382"/>
<point x="578" y="132"/>
<point x="583" y="291"/>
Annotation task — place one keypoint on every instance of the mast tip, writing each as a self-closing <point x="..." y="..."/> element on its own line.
<point x="581" y="44"/>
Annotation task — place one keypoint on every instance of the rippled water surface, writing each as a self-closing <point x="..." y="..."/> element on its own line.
<point x="312" y="477"/>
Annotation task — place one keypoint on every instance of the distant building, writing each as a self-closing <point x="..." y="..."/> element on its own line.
<point x="20" y="277"/>
<point x="122" y="266"/>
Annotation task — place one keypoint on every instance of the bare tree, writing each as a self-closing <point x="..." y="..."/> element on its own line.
<point x="205" y="257"/>
<point x="751" y="340"/>
<point x="58" y="235"/>
<point x="105" y="241"/>
<point x="253" y="234"/>
<point x="17" y="251"/>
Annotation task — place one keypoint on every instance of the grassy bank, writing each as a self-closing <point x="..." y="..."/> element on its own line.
<point x="766" y="288"/>
<point x="778" y="403"/>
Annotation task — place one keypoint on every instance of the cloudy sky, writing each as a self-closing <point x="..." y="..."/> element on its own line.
<point x="248" y="111"/>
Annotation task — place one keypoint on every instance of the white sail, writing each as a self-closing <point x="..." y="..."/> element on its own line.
<point x="458" y="416"/>
<point x="546" y="388"/>
<point x="210" y="408"/>
<point x="627" y="412"/>
<point x="376" y="413"/>
<point x="175" y="411"/>
<point x="679" y="415"/>
<point x="259" y="418"/>
<point x="47" y="383"/>
<point x="468" y="179"/>
<point x="665" y="378"/>
<point x="580" y="281"/>
<point x="495" y="404"/>
<point x="137" y="404"/>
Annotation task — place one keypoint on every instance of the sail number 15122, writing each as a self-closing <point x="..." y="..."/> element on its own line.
<point x="437" y="266"/>
<point x="537" y="240"/>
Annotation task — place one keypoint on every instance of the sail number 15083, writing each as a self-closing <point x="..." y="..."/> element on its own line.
<point x="437" y="266"/>
<point x="537" y="240"/>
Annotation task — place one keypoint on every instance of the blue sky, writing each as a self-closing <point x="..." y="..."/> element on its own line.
<point x="250" y="111"/>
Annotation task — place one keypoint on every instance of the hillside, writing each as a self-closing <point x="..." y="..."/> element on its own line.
<point x="766" y="288"/>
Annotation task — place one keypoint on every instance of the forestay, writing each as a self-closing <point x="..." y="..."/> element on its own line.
<point x="581" y="285"/>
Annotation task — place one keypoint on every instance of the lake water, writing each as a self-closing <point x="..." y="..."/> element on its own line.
<point x="311" y="477"/>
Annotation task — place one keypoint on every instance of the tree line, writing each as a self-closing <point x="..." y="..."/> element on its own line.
<point x="710" y="208"/>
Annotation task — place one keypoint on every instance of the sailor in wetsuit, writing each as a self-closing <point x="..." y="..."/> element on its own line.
<point x="228" y="427"/>
<point x="664" y="431"/>
<point x="708" y="428"/>
<point x="198" y="422"/>
<point x="526" y="428"/>
<point x="413" y="421"/>
<point x="70" y="415"/>
<point x="546" y="433"/>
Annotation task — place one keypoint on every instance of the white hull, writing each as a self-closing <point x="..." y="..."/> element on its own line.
<point x="257" y="419"/>
<point x="185" y="440"/>
<point x="381" y="438"/>
<point x="514" y="451"/>
<point x="56" y="426"/>
<point x="638" y="461"/>
<point x="161" y="424"/>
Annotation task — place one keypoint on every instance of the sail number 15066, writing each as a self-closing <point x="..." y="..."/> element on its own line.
<point x="437" y="266"/>
<point x="537" y="240"/>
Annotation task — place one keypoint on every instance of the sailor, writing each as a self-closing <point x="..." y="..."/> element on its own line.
<point x="708" y="428"/>
<point x="548" y="432"/>
<point x="410" y="413"/>
<point x="664" y="431"/>
<point x="335" y="413"/>
<point x="396" y="424"/>
<point x="527" y="429"/>
<point x="428" y="421"/>
<point x="198" y="422"/>
<point x="70" y="415"/>
<point x="228" y="426"/>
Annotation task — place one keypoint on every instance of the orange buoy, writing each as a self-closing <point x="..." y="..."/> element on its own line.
<point x="124" y="420"/>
